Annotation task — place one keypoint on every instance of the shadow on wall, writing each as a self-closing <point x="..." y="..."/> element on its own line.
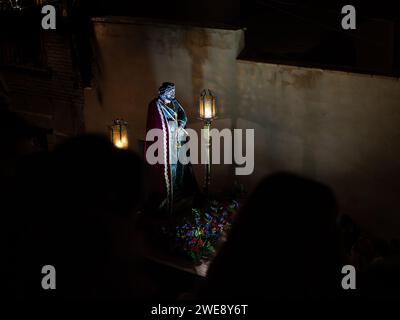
<point x="198" y="55"/>
<point x="336" y="127"/>
<point x="311" y="120"/>
<point x="276" y="102"/>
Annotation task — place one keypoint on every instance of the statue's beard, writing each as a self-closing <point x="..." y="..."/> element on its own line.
<point x="168" y="100"/>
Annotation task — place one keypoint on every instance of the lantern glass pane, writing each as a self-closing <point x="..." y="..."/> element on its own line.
<point x="207" y="105"/>
<point x="119" y="136"/>
<point x="201" y="107"/>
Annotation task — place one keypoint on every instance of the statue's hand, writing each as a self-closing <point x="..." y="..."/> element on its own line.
<point x="182" y="134"/>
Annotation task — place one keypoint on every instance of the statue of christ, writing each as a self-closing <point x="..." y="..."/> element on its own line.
<point x="171" y="179"/>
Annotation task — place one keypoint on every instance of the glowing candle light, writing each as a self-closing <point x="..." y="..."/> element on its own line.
<point x="207" y="105"/>
<point x="119" y="134"/>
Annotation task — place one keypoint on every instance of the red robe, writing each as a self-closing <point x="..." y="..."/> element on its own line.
<point x="159" y="175"/>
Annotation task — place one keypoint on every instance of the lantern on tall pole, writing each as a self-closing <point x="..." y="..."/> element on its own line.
<point x="119" y="134"/>
<point x="207" y="110"/>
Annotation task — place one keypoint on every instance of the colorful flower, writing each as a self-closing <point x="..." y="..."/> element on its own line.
<point x="199" y="235"/>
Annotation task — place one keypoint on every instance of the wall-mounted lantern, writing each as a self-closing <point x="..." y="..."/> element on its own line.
<point x="119" y="134"/>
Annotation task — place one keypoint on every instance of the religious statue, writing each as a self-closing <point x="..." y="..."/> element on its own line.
<point x="171" y="179"/>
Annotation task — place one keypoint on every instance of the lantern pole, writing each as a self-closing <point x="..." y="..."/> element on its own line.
<point x="207" y="138"/>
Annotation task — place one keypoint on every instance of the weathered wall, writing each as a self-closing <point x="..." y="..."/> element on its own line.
<point x="340" y="128"/>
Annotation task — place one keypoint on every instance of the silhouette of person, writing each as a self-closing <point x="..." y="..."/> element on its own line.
<point x="282" y="244"/>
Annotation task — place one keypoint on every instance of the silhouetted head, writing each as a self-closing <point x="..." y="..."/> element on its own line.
<point x="284" y="206"/>
<point x="94" y="174"/>
<point x="283" y="239"/>
<point x="94" y="192"/>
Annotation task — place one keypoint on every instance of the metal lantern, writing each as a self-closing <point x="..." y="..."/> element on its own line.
<point x="207" y="113"/>
<point x="207" y="105"/>
<point x="119" y="134"/>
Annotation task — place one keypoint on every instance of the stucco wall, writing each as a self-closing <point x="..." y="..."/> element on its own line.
<point x="340" y="128"/>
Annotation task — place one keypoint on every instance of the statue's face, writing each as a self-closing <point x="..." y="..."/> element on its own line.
<point x="169" y="95"/>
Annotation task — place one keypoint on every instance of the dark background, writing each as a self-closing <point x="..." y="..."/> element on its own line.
<point x="289" y="31"/>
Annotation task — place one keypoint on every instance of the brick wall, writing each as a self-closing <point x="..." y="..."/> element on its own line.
<point x="50" y="96"/>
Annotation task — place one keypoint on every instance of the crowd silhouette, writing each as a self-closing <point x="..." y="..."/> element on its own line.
<point x="75" y="207"/>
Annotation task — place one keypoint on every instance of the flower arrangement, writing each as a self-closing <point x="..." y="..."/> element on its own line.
<point x="199" y="236"/>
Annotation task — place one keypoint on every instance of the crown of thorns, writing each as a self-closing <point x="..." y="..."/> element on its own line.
<point x="165" y="87"/>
